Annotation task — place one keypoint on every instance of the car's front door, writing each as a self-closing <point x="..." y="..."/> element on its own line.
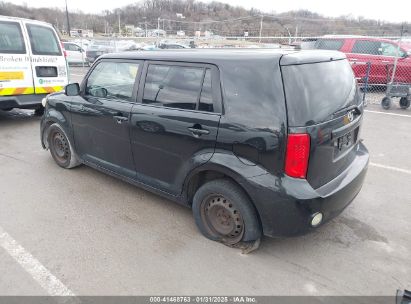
<point x="100" y="117"/>
<point x="174" y="126"/>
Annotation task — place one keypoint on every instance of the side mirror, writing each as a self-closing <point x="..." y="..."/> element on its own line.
<point x="99" y="92"/>
<point x="72" y="89"/>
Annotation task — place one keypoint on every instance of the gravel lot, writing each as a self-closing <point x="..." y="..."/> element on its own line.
<point x="97" y="235"/>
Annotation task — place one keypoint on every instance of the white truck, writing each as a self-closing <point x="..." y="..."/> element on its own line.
<point x="32" y="63"/>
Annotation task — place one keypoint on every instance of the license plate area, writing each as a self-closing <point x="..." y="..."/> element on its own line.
<point x="345" y="142"/>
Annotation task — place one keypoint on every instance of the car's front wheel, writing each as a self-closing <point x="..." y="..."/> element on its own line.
<point x="223" y="212"/>
<point x="60" y="147"/>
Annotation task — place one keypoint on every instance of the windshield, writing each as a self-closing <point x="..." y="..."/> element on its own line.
<point x="315" y="91"/>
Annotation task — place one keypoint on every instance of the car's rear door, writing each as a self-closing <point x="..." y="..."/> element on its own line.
<point x="47" y="57"/>
<point x="323" y="102"/>
<point x="100" y="116"/>
<point x="174" y="126"/>
<point x="15" y="70"/>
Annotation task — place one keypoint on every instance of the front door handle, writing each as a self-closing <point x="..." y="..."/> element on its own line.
<point x="198" y="131"/>
<point x="120" y="119"/>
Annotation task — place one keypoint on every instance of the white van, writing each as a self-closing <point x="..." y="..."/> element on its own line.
<point x="32" y="63"/>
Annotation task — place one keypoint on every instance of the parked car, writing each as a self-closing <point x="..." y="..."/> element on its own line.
<point x="98" y="48"/>
<point x="212" y="130"/>
<point x="169" y="45"/>
<point x="32" y="63"/>
<point x="381" y="53"/>
<point x="75" y="54"/>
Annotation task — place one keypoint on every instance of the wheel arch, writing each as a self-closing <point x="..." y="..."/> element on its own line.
<point x="53" y="116"/>
<point x="221" y="166"/>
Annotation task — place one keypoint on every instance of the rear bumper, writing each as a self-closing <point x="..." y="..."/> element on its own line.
<point x="29" y="101"/>
<point x="286" y="205"/>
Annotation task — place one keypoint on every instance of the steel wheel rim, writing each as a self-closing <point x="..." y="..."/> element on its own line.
<point x="223" y="219"/>
<point x="61" y="147"/>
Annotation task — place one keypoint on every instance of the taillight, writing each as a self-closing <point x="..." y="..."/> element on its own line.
<point x="297" y="153"/>
<point x="64" y="50"/>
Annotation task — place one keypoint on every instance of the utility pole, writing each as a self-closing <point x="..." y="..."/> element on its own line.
<point x="261" y="27"/>
<point x="119" y="25"/>
<point x="68" y="21"/>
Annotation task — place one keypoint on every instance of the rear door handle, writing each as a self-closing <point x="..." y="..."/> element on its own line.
<point x="198" y="132"/>
<point x="120" y="119"/>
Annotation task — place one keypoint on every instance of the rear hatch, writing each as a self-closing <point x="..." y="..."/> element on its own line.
<point x="323" y="102"/>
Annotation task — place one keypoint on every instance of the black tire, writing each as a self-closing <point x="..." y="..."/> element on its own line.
<point x="405" y="103"/>
<point x="386" y="103"/>
<point x="39" y="111"/>
<point x="224" y="213"/>
<point x="60" y="147"/>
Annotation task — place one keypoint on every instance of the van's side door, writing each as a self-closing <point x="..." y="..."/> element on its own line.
<point x="48" y="61"/>
<point x="15" y="71"/>
<point x="174" y="126"/>
<point x="100" y="115"/>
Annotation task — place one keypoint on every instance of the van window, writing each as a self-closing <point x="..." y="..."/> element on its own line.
<point x="329" y="44"/>
<point x="43" y="40"/>
<point x="367" y="47"/>
<point x="173" y="86"/>
<point x="316" y="91"/>
<point x="11" y="38"/>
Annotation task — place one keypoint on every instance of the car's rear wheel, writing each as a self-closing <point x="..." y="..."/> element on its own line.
<point x="224" y="213"/>
<point x="405" y="103"/>
<point x="386" y="103"/>
<point x="60" y="148"/>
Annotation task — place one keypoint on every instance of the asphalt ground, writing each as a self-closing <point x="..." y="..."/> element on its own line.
<point x="81" y="232"/>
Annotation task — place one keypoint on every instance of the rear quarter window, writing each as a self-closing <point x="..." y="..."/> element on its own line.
<point x="43" y="40"/>
<point x="329" y="44"/>
<point x="11" y="38"/>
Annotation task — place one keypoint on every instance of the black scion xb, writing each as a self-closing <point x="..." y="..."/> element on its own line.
<point x="254" y="141"/>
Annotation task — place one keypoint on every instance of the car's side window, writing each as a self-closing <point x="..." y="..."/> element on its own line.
<point x="389" y="49"/>
<point x="329" y="44"/>
<point x="173" y="86"/>
<point x="367" y="47"/>
<point x="112" y="80"/>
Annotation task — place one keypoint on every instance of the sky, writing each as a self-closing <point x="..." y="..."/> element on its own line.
<point x="400" y="11"/>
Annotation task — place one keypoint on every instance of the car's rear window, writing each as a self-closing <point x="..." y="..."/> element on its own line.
<point x="43" y="40"/>
<point x="11" y="38"/>
<point x="315" y="91"/>
<point x="329" y="44"/>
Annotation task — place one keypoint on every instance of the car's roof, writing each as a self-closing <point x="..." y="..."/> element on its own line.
<point x="9" y="18"/>
<point x="219" y="56"/>
<point x="357" y="37"/>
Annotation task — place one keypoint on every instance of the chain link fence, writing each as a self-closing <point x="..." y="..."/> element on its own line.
<point x="381" y="65"/>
